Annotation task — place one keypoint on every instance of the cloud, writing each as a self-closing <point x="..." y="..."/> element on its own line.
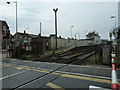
<point x="83" y="16"/>
<point x="69" y="0"/>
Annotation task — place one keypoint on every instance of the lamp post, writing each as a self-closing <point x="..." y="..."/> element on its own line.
<point x="16" y="13"/>
<point x="86" y="34"/>
<point x="40" y="30"/>
<point x="110" y="35"/>
<point x="55" y="10"/>
<point x="16" y="30"/>
<point x="26" y="30"/>
<point x="75" y="37"/>
<point x="115" y="19"/>
<point x="71" y="30"/>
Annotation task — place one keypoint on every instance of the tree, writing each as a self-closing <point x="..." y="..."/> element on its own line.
<point x="91" y="35"/>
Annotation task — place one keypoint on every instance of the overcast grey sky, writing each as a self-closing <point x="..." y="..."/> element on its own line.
<point x="84" y="16"/>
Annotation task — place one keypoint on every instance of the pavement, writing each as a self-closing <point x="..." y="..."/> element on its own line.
<point x="19" y="74"/>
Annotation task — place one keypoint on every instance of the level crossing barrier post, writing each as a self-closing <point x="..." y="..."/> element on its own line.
<point x="114" y="73"/>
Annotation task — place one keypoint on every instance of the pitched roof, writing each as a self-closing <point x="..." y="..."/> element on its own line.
<point x="26" y="34"/>
<point x="4" y="22"/>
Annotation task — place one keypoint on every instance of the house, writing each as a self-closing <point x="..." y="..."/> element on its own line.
<point x="21" y="43"/>
<point x="5" y="32"/>
<point x="23" y="39"/>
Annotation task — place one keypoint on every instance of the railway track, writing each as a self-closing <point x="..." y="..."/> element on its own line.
<point x="71" y="60"/>
<point x="66" y="58"/>
<point x="76" y="57"/>
<point x="69" y="56"/>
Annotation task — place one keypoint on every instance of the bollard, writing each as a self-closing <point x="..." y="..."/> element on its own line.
<point x="114" y="74"/>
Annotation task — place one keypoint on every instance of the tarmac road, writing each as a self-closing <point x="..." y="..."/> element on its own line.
<point x="19" y="74"/>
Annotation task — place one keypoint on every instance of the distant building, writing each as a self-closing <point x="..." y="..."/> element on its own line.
<point x="94" y="36"/>
<point x="40" y="44"/>
<point x="104" y="41"/>
<point x="119" y="13"/>
<point x="23" y="39"/>
<point x="5" y="32"/>
<point x="44" y="40"/>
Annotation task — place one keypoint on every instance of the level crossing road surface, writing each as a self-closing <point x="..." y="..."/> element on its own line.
<point x="19" y="74"/>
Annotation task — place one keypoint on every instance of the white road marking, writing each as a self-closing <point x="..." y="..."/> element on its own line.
<point x="13" y="75"/>
<point x="45" y="69"/>
<point x="97" y="88"/>
<point x="68" y="72"/>
<point x="84" y="75"/>
<point x="74" y="73"/>
<point x="71" y="72"/>
<point x="61" y="64"/>
<point x="89" y="66"/>
<point x="58" y="64"/>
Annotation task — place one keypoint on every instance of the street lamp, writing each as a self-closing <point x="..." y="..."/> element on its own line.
<point x="71" y="30"/>
<point x="16" y="13"/>
<point x="26" y="30"/>
<point x="115" y="19"/>
<point x="110" y="35"/>
<point x="86" y="34"/>
<point x="40" y="30"/>
<point x="75" y="37"/>
<point x="78" y="35"/>
<point x="55" y="10"/>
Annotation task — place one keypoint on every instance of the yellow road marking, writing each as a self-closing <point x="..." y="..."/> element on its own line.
<point x="56" y="87"/>
<point x="28" y="68"/>
<point x="87" y="78"/>
<point x="8" y="65"/>
<point x="19" y="68"/>
<point x="63" y="75"/>
<point x="57" y="73"/>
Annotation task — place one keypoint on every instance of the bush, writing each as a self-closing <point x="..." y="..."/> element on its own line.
<point x="27" y="56"/>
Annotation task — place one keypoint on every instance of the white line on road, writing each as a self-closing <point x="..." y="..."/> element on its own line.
<point x="13" y="75"/>
<point x="84" y="75"/>
<point x="73" y="73"/>
<point x="91" y="87"/>
<point x="89" y="66"/>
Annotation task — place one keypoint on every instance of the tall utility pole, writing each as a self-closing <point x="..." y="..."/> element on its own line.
<point x="76" y="38"/>
<point x="71" y="30"/>
<point x="110" y="35"/>
<point x="19" y="54"/>
<point x="115" y="20"/>
<point x="16" y="14"/>
<point x="40" y="30"/>
<point x="55" y="10"/>
<point x="16" y="17"/>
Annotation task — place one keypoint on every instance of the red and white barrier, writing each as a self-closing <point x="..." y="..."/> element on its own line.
<point x="114" y="74"/>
